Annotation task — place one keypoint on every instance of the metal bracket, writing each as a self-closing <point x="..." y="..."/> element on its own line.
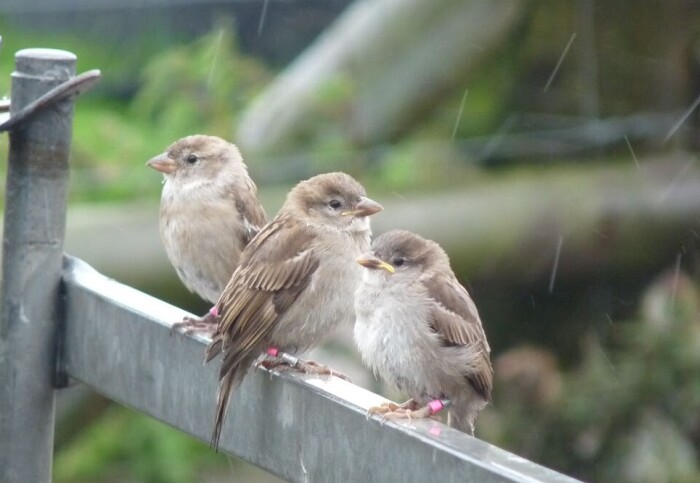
<point x="72" y="87"/>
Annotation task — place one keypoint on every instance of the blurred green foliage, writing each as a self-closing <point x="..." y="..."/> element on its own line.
<point x="628" y="409"/>
<point x="628" y="412"/>
<point x="152" y="94"/>
<point x="191" y="88"/>
<point x="201" y="86"/>
<point x="125" y="446"/>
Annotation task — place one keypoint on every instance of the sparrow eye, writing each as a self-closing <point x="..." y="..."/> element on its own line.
<point x="335" y="204"/>
<point x="398" y="261"/>
<point x="191" y="158"/>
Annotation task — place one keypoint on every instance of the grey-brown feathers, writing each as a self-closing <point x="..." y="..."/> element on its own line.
<point x="417" y="327"/>
<point x="296" y="279"/>
<point x="209" y="211"/>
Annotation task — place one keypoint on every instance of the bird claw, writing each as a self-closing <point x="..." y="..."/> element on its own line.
<point x="269" y="363"/>
<point x="383" y="408"/>
<point x="401" y="413"/>
<point x="390" y="411"/>
<point x="390" y="406"/>
<point x="286" y="362"/>
<point x="205" y="325"/>
<point x="311" y="367"/>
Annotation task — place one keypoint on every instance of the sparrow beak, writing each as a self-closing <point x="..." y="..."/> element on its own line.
<point x="370" y="260"/>
<point x="365" y="207"/>
<point x="162" y="163"/>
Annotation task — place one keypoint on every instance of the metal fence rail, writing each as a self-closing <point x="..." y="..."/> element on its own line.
<point x="299" y="427"/>
<point x="73" y="322"/>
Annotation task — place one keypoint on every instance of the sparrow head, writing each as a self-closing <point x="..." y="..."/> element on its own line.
<point x="402" y="255"/>
<point x="333" y="200"/>
<point x="198" y="159"/>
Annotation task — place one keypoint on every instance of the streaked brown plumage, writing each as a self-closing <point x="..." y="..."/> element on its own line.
<point x="420" y="331"/>
<point x="295" y="281"/>
<point x="209" y="211"/>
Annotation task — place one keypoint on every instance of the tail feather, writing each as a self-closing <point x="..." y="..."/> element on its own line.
<point x="460" y="422"/>
<point x="225" y="387"/>
<point x="213" y="349"/>
<point x="228" y="381"/>
<point x="463" y="412"/>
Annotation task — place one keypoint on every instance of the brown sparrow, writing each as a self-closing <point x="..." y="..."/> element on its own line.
<point x="290" y="290"/>
<point x="209" y="212"/>
<point x="419" y="330"/>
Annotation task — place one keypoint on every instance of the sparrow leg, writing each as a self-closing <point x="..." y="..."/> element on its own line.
<point x="430" y="409"/>
<point x="271" y="362"/>
<point x="277" y="359"/>
<point x="206" y="324"/>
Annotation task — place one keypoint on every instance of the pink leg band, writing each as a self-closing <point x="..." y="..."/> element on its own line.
<point x="214" y="311"/>
<point x="436" y="406"/>
<point x="272" y="351"/>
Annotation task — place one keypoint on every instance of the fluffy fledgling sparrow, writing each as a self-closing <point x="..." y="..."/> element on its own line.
<point x="209" y="211"/>
<point x="419" y="330"/>
<point x="295" y="280"/>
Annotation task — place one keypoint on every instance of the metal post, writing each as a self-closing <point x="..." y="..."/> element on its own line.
<point x="35" y="212"/>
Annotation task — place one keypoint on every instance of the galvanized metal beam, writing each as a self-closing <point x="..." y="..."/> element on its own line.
<point x="35" y="212"/>
<point x="301" y="428"/>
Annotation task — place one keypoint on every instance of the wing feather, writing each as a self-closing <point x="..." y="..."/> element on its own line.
<point x="275" y="268"/>
<point x="455" y="318"/>
<point x="250" y="210"/>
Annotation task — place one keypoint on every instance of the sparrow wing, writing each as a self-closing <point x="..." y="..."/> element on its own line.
<point x="274" y="269"/>
<point x="455" y="318"/>
<point x="250" y="210"/>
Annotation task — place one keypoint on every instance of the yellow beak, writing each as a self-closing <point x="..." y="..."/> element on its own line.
<point x="370" y="260"/>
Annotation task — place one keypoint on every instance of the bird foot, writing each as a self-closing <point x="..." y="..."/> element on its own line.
<point x="407" y="410"/>
<point x="205" y="325"/>
<point x="387" y="407"/>
<point x="400" y="413"/>
<point x="282" y="361"/>
<point x="311" y="367"/>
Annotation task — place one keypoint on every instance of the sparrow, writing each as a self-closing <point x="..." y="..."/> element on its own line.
<point x="294" y="283"/>
<point x="209" y="212"/>
<point x="418" y="329"/>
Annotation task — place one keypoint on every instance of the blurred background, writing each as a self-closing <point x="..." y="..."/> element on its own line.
<point x="550" y="147"/>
